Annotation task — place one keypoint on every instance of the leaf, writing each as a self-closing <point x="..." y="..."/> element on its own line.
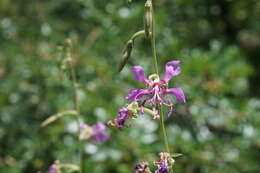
<point x="70" y="166"/>
<point x="57" y="116"/>
<point x="175" y="155"/>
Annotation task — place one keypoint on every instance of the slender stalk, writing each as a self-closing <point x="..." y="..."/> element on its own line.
<point x="155" y="61"/>
<point x="74" y="84"/>
<point x="165" y="138"/>
<point x="154" y="50"/>
<point x="75" y="101"/>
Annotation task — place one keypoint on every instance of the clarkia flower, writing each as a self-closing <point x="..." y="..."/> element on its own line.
<point x="156" y="90"/>
<point x="99" y="132"/>
<point x="95" y="132"/>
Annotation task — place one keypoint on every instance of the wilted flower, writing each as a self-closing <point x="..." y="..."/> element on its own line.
<point x="123" y="115"/>
<point x="130" y="111"/>
<point x="142" y="168"/>
<point x="95" y="132"/>
<point x="157" y="89"/>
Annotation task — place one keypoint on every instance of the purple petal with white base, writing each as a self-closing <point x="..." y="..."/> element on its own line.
<point x="177" y="93"/>
<point x="138" y="73"/>
<point x="172" y="69"/>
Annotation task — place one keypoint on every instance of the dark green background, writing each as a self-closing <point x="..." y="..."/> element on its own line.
<point x="217" y="41"/>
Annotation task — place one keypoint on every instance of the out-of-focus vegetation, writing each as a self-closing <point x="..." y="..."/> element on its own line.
<point x="217" y="41"/>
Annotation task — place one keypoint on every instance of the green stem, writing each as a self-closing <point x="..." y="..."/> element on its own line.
<point x="137" y="34"/>
<point x="75" y="87"/>
<point x="76" y="102"/>
<point x="155" y="61"/>
<point x="153" y="48"/>
<point x="163" y="130"/>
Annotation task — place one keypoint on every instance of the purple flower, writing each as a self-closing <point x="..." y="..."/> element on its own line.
<point x="157" y="89"/>
<point x="123" y="115"/>
<point x="99" y="132"/>
<point x="162" y="169"/>
<point x="53" y="168"/>
<point x="165" y="161"/>
<point x="95" y="132"/>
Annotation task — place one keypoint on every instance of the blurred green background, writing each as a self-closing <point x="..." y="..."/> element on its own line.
<point x="217" y="41"/>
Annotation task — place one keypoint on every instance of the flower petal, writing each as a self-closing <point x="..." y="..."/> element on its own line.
<point x="123" y="115"/>
<point x="137" y="94"/>
<point x="172" y="69"/>
<point x="99" y="127"/>
<point x="138" y="73"/>
<point x="177" y="93"/>
<point x="99" y="132"/>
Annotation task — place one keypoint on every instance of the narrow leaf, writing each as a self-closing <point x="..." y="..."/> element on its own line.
<point x="57" y="116"/>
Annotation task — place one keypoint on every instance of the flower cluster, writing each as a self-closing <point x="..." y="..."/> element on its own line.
<point x="155" y="93"/>
<point x="95" y="132"/>
<point x="163" y="164"/>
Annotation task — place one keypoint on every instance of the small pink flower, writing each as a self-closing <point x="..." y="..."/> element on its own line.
<point x="95" y="132"/>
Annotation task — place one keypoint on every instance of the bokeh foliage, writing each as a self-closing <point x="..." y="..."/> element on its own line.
<point x="217" y="41"/>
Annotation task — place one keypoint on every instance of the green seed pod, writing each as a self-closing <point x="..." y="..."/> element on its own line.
<point x="148" y="18"/>
<point x="126" y="55"/>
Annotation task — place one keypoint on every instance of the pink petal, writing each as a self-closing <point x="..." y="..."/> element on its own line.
<point x="172" y="69"/>
<point x="177" y="93"/>
<point x="137" y="94"/>
<point x="138" y="73"/>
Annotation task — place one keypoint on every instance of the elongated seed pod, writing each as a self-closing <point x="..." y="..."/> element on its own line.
<point x="148" y="18"/>
<point x="126" y="55"/>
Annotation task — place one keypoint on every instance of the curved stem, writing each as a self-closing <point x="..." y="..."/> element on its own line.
<point x="137" y="34"/>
